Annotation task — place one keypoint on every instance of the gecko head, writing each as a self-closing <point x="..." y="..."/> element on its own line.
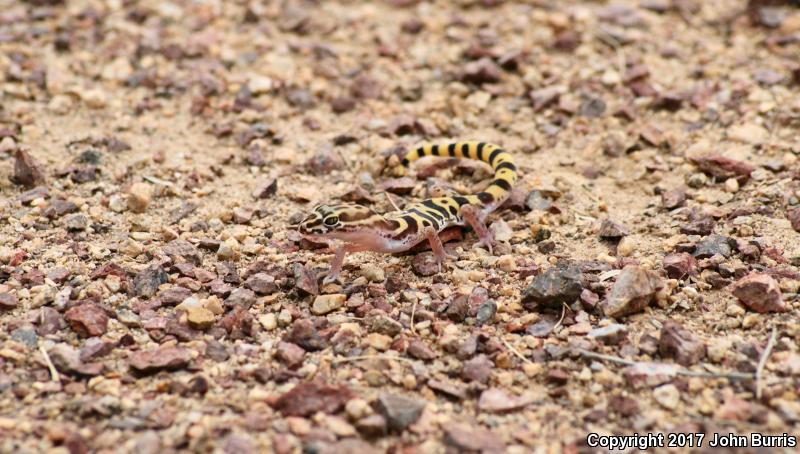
<point x="327" y="219"/>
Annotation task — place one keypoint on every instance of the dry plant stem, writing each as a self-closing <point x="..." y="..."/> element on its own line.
<point x="366" y="357"/>
<point x="763" y="361"/>
<point x="684" y="372"/>
<point x="515" y="351"/>
<point x="53" y="371"/>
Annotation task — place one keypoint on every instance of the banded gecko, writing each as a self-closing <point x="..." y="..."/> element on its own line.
<point x="359" y="228"/>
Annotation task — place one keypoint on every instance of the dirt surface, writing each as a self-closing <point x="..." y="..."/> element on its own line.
<point x="153" y="155"/>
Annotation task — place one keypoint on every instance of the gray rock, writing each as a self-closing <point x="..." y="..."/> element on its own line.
<point x="552" y="288"/>
<point x="399" y="411"/>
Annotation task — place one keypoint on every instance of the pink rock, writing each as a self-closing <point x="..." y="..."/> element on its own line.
<point x="759" y="292"/>
<point x="164" y="358"/>
<point x="87" y="319"/>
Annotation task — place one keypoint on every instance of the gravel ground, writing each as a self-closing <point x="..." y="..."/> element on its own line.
<point x="153" y="155"/>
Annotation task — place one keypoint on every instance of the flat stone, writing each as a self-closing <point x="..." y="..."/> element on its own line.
<point x="324" y="304"/>
<point x="633" y="290"/>
<point x="162" y="358"/>
<point x="87" y="319"/>
<point x="759" y="292"/>
<point x="399" y="411"/>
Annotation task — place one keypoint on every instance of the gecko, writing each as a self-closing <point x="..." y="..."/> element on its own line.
<point x="358" y="228"/>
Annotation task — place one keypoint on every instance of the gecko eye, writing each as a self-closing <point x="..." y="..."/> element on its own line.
<point x="331" y="221"/>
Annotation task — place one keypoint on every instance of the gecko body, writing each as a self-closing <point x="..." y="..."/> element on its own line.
<point x="359" y="228"/>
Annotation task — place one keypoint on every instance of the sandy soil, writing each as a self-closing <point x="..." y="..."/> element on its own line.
<point x="153" y="155"/>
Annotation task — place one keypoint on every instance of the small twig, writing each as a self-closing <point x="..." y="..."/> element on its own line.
<point x="413" y="313"/>
<point x="564" y="308"/>
<point x="684" y="372"/>
<point x="609" y="358"/>
<point x="763" y="361"/>
<point x="53" y="372"/>
<point x="366" y="357"/>
<point x="515" y="352"/>
<point x="391" y="201"/>
<point x="158" y="181"/>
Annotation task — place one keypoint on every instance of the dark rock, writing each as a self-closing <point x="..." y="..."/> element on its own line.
<point x="721" y="167"/>
<point x="343" y="104"/>
<point x="174" y="295"/>
<point x="66" y="360"/>
<point x="238" y="323"/>
<point x="386" y="325"/>
<point x="466" y="438"/>
<point x="543" y="327"/>
<point x="553" y="288"/>
<point x="399" y="411"/>
<point x="372" y="426"/>
<point x="76" y="222"/>
<point x="162" y="358"/>
<point x="59" y="207"/>
<point x="241" y="297"/>
<point x="680" y="265"/>
<point x="182" y="251"/>
<point x="26" y="336"/>
<point x="300" y="97"/>
<point x="557" y="377"/>
<point x="481" y="72"/>
<point x="420" y="350"/>
<point x="216" y="350"/>
<point x="592" y="108"/>
<point x="87" y="319"/>
<point x="304" y="334"/>
<point x="290" y="354"/>
<point x="266" y="188"/>
<point x="457" y="308"/>
<point x="109" y="269"/>
<point x="545" y="97"/>
<point x="400" y="186"/>
<point x="673" y="198"/>
<point x="308" y="398"/>
<point x="96" y="348"/>
<point x="623" y="405"/>
<point x="679" y="343"/>
<point x="305" y="280"/>
<point x="760" y="293"/>
<point x="485" y="313"/>
<point x="478" y="369"/>
<point x="634" y="289"/>
<point x="58" y="275"/>
<point x="713" y="245"/>
<point x="146" y="283"/>
<point x="700" y="223"/>
<point x="325" y="161"/>
<point x="793" y="216"/>
<point x="449" y="389"/>
<point x="425" y="264"/>
<point x="262" y="284"/>
<point x="612" y="230"/>
<point x="8" y="301"/>
<point x="50" y="321"/>
<point x="27" y="171"/>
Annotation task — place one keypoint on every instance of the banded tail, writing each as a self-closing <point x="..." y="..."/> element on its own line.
<point x="505" y="171"/>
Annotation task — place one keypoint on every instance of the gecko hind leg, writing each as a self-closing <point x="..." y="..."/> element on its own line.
<point x="437" y="247"/>
<point x="470" y="214"/>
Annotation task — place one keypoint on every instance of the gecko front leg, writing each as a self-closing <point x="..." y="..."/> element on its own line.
<point x="484" y="235"/>
<point x="437" y="247"/>
<point x="338" y="261"/>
